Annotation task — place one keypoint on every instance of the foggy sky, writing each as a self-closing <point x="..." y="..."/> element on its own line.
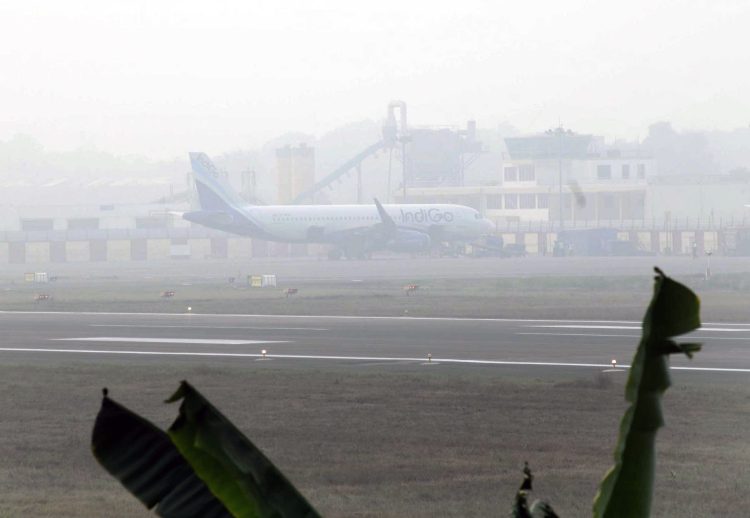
<point x="163" y="78"/>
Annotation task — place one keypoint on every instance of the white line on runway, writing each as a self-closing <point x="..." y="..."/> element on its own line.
<point x="339" y="317"/>
<point x="349" y="358"/>
<point x="211" y="327"/>
<point x="194" y="315"/>
<point x="376" y="364"/>
<point x="581" y="326"/>
<point x="214" y="341"/>
<point x="582" y="334"/>
<point x="742" y="339"/>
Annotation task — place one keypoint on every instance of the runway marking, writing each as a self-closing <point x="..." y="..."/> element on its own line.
<point x="126" y="339"/>
<point x="325" y="317"/>
<point x="351" y="358"/>
<point x="166" y="326"/>
<point x="580" y="326"/>
<point x="581" y="334"/>
<point x="342" y="317"/>
<point x="742" y="339"/>
<point x="375" y="364"/>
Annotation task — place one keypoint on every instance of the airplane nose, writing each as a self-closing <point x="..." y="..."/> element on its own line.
<point x="488" y="226"/>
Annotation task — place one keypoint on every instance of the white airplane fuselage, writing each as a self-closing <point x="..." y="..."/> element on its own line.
<point x="293" y="223"/>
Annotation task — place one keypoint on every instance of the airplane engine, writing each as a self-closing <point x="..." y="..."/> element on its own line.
<point x="409" y="241"/>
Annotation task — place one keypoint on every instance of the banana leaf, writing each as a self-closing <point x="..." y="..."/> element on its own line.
<point x="144" y="460"/>
<point x="521" y="509"/>
<point x="234" y="469"/>
<point x="626" y="489"/>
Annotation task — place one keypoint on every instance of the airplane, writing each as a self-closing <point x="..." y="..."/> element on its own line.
<point x="353" y="230"/>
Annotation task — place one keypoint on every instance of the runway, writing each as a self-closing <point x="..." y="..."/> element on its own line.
<point x="538" y="347"/>
<point x="361" y="393"/>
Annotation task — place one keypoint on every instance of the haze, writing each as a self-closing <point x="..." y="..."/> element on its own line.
<point x="161" y="78"/>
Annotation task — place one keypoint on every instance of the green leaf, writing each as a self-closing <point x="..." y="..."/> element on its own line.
<point x="541" y="509"/>
<point x="626" y="489"/>
<point x="521" y="506"/>
<point x="144" y="460"/>
<point x="234" y="469"/>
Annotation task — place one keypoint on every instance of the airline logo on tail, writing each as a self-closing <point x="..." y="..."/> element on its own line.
<point x="220" y="206"/>
<point x="214" y="192"/>
<point x="202" y="165"/>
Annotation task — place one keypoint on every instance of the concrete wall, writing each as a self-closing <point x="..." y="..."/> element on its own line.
<point x="58" y="252"/>
<point x="77" y="251"/>
<point x="158" y="249"/>
<point x="37" y="253"/>
<point x="199" y="248"/>
<point x="98" y="251"/>
<point x="118" y="250"/>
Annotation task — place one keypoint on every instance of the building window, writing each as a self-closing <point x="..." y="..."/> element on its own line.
<point x="542" y="201"/>
<point x="625" y="171"/>
<point x="604" y="172"/>
<point x="511" y="174"/>
<point x="641" y="171"/>
<point x="37" y="224"/>
<point x="511" y="201"/>
<point x="83" y="223"/>
<point x="526" y="173"/>
<point x="151" y="222"/>
<point x="608" y="201"/>
<point x="494" y="201"/>
<point x="527" y="201"/>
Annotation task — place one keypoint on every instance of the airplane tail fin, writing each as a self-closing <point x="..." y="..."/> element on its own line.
<point x="214" y="192"/>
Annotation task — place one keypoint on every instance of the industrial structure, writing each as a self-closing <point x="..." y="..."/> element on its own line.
<point x="429" y="157"/>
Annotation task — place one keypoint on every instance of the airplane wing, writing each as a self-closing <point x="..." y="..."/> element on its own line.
<point x="385" y="219"/>
<point x="384" y="235"/>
